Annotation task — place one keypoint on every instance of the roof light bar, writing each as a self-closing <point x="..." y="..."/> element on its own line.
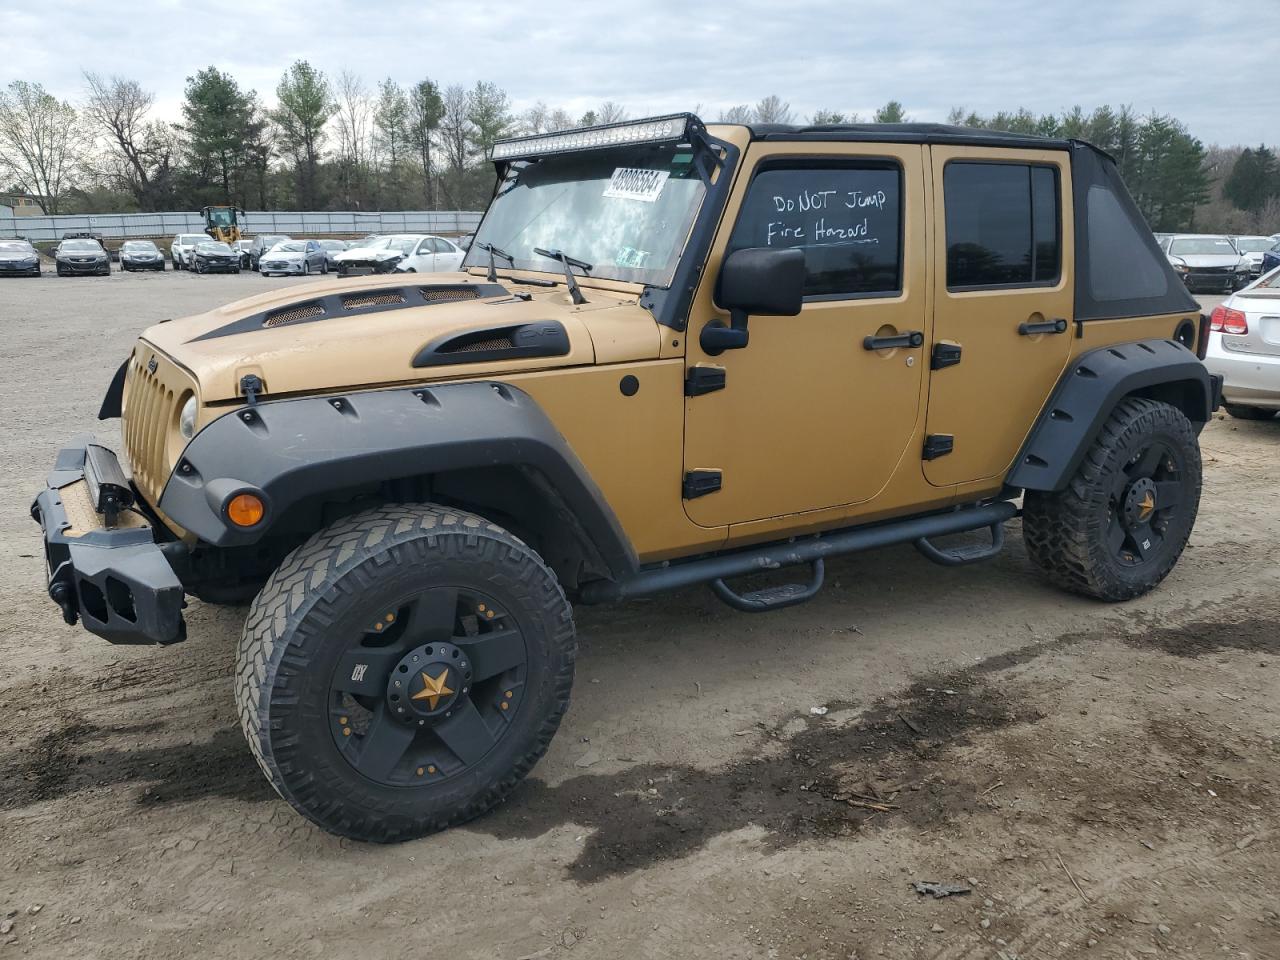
<point x="652" y="130"/>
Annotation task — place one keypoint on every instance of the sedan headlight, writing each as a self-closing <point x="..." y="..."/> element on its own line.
<point x="187" y="418"/>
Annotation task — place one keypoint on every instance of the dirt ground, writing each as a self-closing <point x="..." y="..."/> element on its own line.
<point x="1103" y="779"/>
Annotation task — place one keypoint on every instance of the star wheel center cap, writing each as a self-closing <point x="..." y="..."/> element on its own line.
<point x="426" y="682"/>
<point x="1140" y="502"/>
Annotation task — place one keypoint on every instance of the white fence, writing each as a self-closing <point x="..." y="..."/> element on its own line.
<point x="118" y="226"/>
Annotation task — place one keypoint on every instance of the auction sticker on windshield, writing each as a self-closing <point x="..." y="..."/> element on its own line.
<point x="633" y="183"/>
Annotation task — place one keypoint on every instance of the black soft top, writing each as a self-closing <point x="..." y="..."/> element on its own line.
<point x="939" y="133"/>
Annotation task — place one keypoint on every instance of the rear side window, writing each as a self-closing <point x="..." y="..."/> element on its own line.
<point x="847" y="219"/>
<point x="1003" y="225"/>
<point x="1121" y="266"/>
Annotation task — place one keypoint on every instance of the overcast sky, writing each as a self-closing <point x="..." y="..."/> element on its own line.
<point x="1212" y="65"/>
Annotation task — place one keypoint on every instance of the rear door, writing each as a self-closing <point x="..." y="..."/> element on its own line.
<point x="1004" y="296"/>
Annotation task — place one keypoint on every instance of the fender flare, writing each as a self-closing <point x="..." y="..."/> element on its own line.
<point x="1088" y="391"/>
<point x="291" y="450"/>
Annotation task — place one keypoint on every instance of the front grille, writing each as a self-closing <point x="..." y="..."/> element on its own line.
<point x="304" y="311"/>
<point x="361" y="300"/>
<point x="150" y="417"/>
<point x="446" y="294"/>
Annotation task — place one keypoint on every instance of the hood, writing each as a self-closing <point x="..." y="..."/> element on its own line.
<point x="282" y="255"/>
<point x="366" y="332"/>
<point x="369" y="253"/>
<point x="15" y="255"/>
<point x="1206" y="259"/>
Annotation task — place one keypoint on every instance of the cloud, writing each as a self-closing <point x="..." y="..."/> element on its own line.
<point x="1176" y="57"/>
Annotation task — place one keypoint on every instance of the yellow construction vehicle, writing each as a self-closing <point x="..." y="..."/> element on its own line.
<point x="223" y="223"/>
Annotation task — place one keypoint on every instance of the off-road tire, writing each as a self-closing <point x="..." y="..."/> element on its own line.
<point x="1065" y="531"/>
<point x="1243" y="412"/>
<point x="294" y="636"/>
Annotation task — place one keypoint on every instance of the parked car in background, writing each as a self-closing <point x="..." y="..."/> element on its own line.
<point x="140" y="255"/>
<point x="19" y="258"/>
<point x="213" y="256"/>
<point x="1208" y="262"/>
<point x="1253" y="249"/>
<point x="1162" y="239"/>
<point x="82" y="257"/>
<point x="464" y="241"/>
<point x="181" y="247"/>
<point x="331" y="250"/>
<point x="1244" y="346"/>
<point x="1271" y="259"/>
<point x="414" y="252"/>
<point x="91" y="235"/>
<point x="261" y="244"/>
<point x="294" y="257"/>
<point x="242" y="248"/>
<point x="433" y="255"/>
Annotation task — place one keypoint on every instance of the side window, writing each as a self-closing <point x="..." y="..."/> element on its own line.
<point x="424" y="246"/>
<point x="1003" y="226"/>
<point x="440" y="246"/>
<point x="847" y="219"/>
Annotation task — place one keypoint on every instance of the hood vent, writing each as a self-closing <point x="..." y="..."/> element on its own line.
<point x="381" y="298"/>
<point x="356" y="302"/>
<point x="294" y="314"/>
<point x="521" y="341"/>
<point x="449" y="294"/>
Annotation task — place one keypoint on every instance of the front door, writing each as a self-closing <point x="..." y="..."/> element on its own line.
<point x="818" y="409"/>
<point x="1004" y="295"/>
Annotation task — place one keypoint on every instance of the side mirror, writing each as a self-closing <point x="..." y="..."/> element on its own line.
<point x="754" y="280"/>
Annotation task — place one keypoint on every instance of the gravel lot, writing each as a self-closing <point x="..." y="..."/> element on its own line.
<point x="1105" y="778"/>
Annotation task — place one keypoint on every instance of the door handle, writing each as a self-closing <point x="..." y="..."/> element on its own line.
<point x="1044" y="326"/>
<point x="912" y="338"/>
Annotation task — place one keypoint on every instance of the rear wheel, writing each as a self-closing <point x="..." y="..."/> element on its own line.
<point x="1122" y="522"/>
<point x="403" y="670"/>
<point x="1242" y="412"/>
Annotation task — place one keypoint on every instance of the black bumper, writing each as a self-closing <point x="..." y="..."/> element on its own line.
<point x="116" y="581"/>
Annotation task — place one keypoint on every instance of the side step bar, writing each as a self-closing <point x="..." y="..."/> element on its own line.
<point x="812" y="550"/>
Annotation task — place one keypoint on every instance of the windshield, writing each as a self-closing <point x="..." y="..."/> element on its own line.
<point x="293" y="246"/>
<point x="81" y="246"/>
<point x="21" y="246"/>
<point x="1253" y="244"/>
<point x="220" y="218"/>
<point x="333" y="244"/>
<point x="211" y="247"/>
<point x="139" y="246"/>
<point x="1202" y="246"/>
<point x="403" y="244"/>
<point x="626" y="211"/>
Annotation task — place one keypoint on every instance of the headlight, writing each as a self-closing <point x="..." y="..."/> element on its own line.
<point x="187" y="418"/>
<point x="1181" y="267"/>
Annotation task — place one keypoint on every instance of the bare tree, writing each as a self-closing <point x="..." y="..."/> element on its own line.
<point x="42" y="140"/>
<point x="742" y="113"/>
<point x="455" y="127"/>
<point x="354" y="122"/>
<point x="118" y="109"/>
<point x="772" y="109"/>
<point x="425" y="110"/>
<point x="611" y="112"/>
<point x="534" y="120"/>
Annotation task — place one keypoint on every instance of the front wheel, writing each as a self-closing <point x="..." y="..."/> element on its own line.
<point x="1123" y="520"/>
<point x="403" y="670"/>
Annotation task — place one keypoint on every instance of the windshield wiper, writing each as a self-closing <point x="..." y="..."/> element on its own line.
<point x="495" y="251"/>
<point x="568" y="262"/>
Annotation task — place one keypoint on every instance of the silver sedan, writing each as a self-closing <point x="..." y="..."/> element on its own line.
<point x="296" y="257"/>
<point x="1244" y="346"/>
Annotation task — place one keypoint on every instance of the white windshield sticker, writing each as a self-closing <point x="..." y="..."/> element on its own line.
<point x="633" y="183"/>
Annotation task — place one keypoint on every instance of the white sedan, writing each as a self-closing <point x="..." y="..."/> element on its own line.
<point x="1244" y="346"/>
<point x="411" y="253"/>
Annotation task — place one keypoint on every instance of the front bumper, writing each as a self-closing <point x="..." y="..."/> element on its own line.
<point x="115" y="580"/>
<point x="364" y="268"/>
<point x="13" y="268"/>
<point x="217" y="266"/>
<point x="157" y="264"/>
<point x="280" y="266"/>
<point x="91" y="267"/>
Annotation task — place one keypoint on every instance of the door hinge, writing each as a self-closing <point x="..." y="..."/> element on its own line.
<point x="938" y="445"/>
<point x="698" y="483"/>
<point x="944" y="355"/>
<point x="703" y="378"/>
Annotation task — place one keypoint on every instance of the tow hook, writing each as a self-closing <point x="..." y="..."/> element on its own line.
<point x="63" y="594"/>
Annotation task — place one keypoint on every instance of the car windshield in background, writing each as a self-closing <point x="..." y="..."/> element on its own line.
<point x="333" y="244"/>
<point x="191" y="239"/>
<point x="1253" y="244"/>
<point x="211" y="247"/>
<point x="625" y="211"/>
<point x="81" y="246"/>
<point x="402" y="244"/>
<point x="15" y="246"/>
<point x="293" y="246"/>
<point x="139" y="246"/>
<point x="1202" y="246"/>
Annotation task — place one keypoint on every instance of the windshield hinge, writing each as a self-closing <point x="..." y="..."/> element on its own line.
<point x="251" y="386"/>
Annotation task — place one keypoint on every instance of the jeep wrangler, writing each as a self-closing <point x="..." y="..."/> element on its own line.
<point x="675" y="354"/>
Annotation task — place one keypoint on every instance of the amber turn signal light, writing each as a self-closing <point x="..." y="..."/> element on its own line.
<point x="245" y="510"/>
